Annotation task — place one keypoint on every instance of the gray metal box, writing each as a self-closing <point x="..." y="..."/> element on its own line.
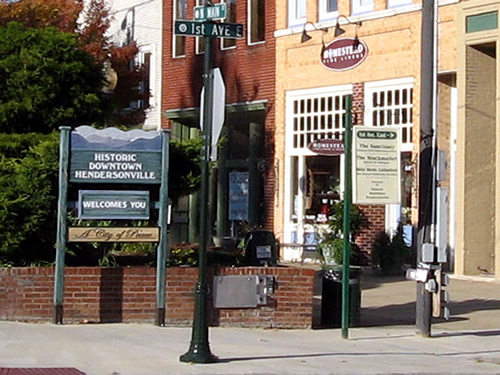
<point x="235" y="291"/>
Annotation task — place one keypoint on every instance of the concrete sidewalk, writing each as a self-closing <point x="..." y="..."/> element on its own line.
<point x="386" y="343"/>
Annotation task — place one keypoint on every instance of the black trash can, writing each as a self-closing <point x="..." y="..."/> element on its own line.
<point x="260" y="248"/>
<point x="331" y="297"/>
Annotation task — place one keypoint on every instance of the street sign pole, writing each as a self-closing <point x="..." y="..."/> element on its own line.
<point x="199" y="349"/>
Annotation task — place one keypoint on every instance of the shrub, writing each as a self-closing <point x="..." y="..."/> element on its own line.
<point x="331" y="245"/>
<point x="391" y="254"/>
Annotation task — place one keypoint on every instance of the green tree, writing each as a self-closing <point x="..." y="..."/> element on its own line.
<point x="46" y="81"/>
<point x="89" y="22"/>
<point x="28" y="191"/>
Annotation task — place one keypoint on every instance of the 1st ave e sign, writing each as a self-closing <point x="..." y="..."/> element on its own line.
<point x="218" y="30"/>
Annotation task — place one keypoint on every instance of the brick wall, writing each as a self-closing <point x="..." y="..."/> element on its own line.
<point x="372" y="224"/>
<point x="95" y="294"/>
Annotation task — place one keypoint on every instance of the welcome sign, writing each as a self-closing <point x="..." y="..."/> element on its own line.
<point x="113" y="156"/>
<point x="113" y="204"/>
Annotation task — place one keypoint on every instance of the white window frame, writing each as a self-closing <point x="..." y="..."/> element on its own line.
<point x="295" y="231"/>
<point x="398" y="3"/>
<point x="249" y="23"/>
<point x="393" y="84"/>
<point x="358" y="7"/>
<point x="293" y="20"/>
<point x="323" y="14"/>
<point x="198" y="40"/>
<point x="225" y="20"/>
<point x="143" y="50"/>
<point x="174" y="37"/>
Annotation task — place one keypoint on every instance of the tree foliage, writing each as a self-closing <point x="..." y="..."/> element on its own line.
<point x="46" y="81"/>
<point x="28" y="191"/>
<point x="37" y="14"/>
<point x="89" y="24"/>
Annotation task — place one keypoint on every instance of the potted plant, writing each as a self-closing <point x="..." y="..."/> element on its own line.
<point x="330" y="251"/>
<point x="331" y="245"/>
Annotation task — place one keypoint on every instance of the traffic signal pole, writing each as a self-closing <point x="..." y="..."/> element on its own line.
<point x="199" y="349"/>
<point x="426" y="175"/>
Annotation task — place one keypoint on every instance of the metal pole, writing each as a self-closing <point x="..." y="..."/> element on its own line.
<point x="199" y="349"/>
<point x="162" y="250"/>
<point x="426" y="174"/>
<point x="346" y="217"/>
<point x="62" y="206"/>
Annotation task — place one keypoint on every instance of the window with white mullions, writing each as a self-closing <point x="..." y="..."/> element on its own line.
<point x="297" y="12"/>
<point x="179" y="42"/>
<point x="362" y="6"/>
<point x="227" y="43"/>
<point x="327" y="10"/>
<point x="390" y="104"/>
<point x="397" y="3"/>
<point x="256" y="21"/>
<point x="200" y="41"/>
<point x="317" y="117"/>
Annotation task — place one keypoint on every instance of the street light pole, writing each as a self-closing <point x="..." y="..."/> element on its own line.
<point x="199" y="349"/>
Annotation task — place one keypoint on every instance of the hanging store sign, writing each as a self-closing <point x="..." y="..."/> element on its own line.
<point x="376" y="165"/>
<point x="327" y="147"/>
<point x="344" y="54"/>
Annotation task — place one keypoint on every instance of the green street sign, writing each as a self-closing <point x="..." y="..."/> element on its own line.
<point x="212" y="12"/>
<point x="216" y="30"/>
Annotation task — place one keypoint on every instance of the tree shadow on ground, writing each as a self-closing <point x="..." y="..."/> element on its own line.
<point x="404" y="314"/>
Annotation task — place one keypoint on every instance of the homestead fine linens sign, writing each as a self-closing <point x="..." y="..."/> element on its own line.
<point x="344" y="54"/>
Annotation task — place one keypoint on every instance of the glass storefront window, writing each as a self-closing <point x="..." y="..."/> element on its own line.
<point x="313" y="180"/>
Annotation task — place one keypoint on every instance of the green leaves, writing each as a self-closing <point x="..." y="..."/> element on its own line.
<point x="28" y="195"/>
<point x="46" y="81"/>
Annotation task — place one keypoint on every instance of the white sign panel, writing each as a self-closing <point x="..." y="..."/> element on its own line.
<point x="218" y="109"/>
<point x="376" y="165"/>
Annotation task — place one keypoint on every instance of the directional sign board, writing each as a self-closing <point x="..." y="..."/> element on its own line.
<point x="212" y="12"/>
<point x="217" y="30"/>
<point x="377" y="167"/>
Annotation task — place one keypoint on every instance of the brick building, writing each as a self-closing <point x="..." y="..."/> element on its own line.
<point x="247" y="67"/>
<point x="286" y="87"/>
<point x="377" y="64"/>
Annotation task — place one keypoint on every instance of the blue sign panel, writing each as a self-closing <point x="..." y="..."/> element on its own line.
<point x="238" y="195"/>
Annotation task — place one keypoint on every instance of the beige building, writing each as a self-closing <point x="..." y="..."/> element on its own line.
<point x="477" y="247"/>
<point x="376" y="62"/>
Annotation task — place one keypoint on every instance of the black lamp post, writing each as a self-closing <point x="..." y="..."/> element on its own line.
<point x="199" y="349"/>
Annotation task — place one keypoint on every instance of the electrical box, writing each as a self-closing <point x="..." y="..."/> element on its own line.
<point x="427" y="252"/>
<point x="242" y="291"/>
<point x="442" y="223"/>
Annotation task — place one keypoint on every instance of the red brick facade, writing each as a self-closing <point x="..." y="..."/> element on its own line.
<point x="248" y="72"/>
<point x="127" y="294"/>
